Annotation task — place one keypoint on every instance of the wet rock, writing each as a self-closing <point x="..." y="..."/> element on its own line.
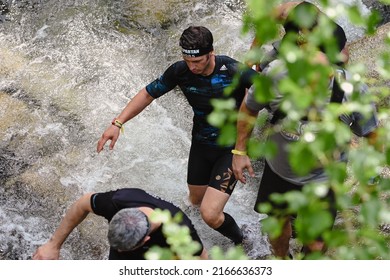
<point x="4" y="6"/>
<point x="367" y="49"/>
<point x="4" y="9"/>
<point x="10" y="165"/>
<point x="384" y="10"/>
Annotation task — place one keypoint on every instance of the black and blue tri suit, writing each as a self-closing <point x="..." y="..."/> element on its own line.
<point x="209" y="163"/>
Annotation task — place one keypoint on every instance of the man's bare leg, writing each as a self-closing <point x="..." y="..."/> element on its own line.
<point x="196" y="194"/>
<point x="280" y="245"/>
<point x="211" y="209"/>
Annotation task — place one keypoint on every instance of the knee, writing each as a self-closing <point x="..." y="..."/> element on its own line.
<point x="211" y="218"/>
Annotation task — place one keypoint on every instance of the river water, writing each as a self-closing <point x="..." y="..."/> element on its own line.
<point x="66" y="69"/>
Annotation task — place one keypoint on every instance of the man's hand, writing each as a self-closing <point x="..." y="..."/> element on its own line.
<point x="240" y="163"/>
<point x="47" y="251"/>
<point x="111" y="133"/>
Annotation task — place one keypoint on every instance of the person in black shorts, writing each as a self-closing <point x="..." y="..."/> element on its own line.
<point x="130" y="233"/>
<point x="201" y="76"/>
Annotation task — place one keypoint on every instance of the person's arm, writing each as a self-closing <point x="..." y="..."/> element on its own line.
<point x="245" y="126"/>
<point x="73" y="217"/>
<point x="132" y="109"/>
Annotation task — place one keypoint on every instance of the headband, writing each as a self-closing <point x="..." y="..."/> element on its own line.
<point x="197" y="52"/>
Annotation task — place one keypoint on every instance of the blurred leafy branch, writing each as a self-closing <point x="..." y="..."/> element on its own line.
<point x="361" y="185"/>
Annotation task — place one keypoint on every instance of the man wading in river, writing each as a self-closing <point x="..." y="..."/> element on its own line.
<point x="201" y="76"/>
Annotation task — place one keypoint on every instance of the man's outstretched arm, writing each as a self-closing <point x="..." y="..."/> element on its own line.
<point x="73" y="217"/>
<point x="132" y="109"/>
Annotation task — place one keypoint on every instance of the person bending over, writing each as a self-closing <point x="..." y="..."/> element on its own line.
<point x="131" y="232"/>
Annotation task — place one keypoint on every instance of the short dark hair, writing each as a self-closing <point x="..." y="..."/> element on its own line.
<point x="196" y="37"/>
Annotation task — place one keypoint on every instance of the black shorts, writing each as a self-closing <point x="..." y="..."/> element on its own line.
<point x="211" y="166"/>
<point x="273" y="183"/>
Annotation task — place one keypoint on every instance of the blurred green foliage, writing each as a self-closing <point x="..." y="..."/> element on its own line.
<point x="361" y="186"/>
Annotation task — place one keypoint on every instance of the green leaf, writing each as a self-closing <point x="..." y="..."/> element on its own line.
<point x="272" y="226"/>
<point x="157" y="253"/>
<point x="263" y="89"/>
<point x="258" y="149"/>
<point x="225" y="104"/>
<point x="304" y="16"/>
<point x="355" y="15"/>
<point x="370" y="211"/>
<point x="337" y="173"/>
<point x="296" y="200"/>
<point x="336" y="238"/>
<point x="311" y="223"/>
<point x="228" y="135"/>
<point x="372" y="22"/>
<point x="233" y="253"/>
<point x="299" y="151"/>
<point x="265" y="207"/>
